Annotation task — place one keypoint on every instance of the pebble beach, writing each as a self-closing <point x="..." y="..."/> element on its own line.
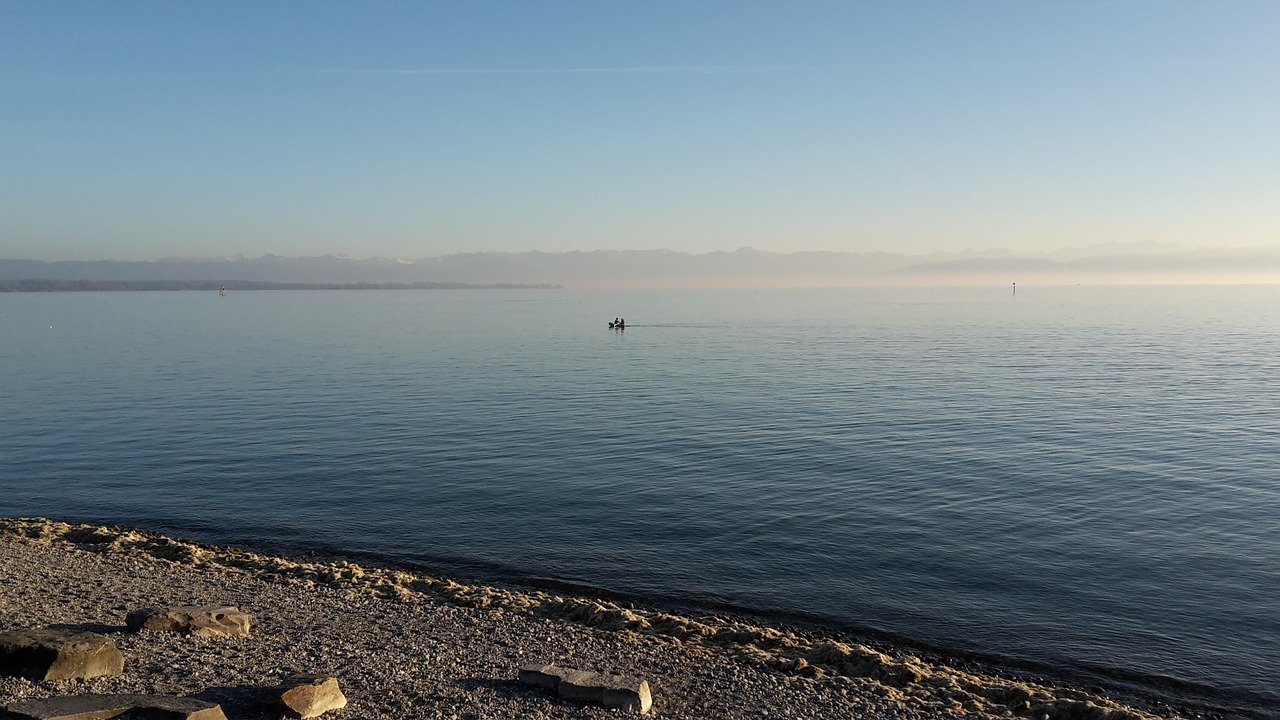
<point x="404" y="644"/>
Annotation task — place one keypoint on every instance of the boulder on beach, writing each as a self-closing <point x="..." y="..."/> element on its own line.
<point x="101" y="707"/>
<point x="308" y="696"/>
<point x="52" y="654"/>
<point x="619" y="692"/>
<point x="547" y="676"/>
<point x="198" y="620"/>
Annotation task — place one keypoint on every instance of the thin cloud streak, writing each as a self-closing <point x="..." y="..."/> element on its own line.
<point x="642" y="70"/>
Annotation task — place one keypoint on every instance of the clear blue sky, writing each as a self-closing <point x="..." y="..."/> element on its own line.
<point x="134" y="130"/>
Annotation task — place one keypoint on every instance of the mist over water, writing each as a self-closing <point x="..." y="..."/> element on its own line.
<point x="1077" y="476"/>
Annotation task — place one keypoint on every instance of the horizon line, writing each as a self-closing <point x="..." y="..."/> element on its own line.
<point x="1146" y="248"/>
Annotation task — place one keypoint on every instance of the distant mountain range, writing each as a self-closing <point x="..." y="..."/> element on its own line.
<point x="1140" y="263"/>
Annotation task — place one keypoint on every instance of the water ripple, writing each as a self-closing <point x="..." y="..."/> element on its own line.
<point x="1080" y="478"/>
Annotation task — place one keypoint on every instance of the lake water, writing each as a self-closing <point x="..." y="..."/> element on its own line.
<point x="1083" y="477"/>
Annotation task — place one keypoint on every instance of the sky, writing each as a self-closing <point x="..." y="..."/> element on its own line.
<point x="141" y="130"/>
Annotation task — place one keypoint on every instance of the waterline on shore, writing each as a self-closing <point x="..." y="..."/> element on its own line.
<point x="911" y="680"/>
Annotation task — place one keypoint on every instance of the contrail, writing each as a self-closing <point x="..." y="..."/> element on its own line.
<point x="643" y="70"/>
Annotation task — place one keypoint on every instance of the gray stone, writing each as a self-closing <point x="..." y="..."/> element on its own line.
<point x="308" y="696"/>
<point x="581" y="685"/>
<point x="626" y="693"/>
<point x="101" y="707"/>
<point x="201" y="621"/>
<point x="547" y="676"/>
<point x="612" y="691"/>
<point x="48" y="654"/>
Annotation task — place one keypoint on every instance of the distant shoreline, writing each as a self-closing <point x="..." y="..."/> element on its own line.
<point x="46" y="285"/>
<point x="1141" y="264"/>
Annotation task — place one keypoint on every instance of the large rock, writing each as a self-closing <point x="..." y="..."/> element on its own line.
<point x="201" y="621"/>
<point x="547" y="676"/>
<point x="101" y="707"/>
<point x="307" y="696"/>
<point x="47" y="654"/>
<point x="612" y="691"/>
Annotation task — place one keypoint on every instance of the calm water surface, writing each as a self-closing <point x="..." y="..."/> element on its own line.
<point x="1084" y="477"/>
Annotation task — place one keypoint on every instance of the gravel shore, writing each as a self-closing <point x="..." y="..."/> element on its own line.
<point x="407" y="645"/>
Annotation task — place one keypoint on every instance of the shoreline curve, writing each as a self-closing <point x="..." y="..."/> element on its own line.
<point x="835" y="668"/>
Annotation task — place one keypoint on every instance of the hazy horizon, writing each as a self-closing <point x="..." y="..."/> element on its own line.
<point x="139" y="130"/>
<point x="1110" y="264"/>
<point x="1077" y="250"/>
